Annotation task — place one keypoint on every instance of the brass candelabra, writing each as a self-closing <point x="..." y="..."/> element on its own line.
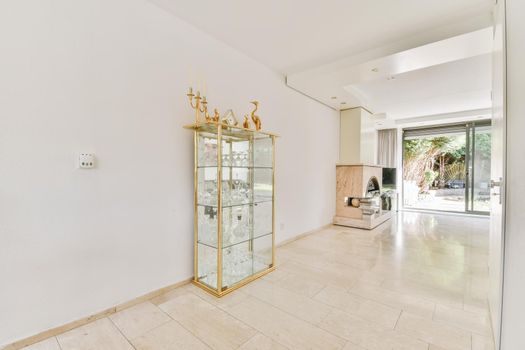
<point x="199" y="104"/>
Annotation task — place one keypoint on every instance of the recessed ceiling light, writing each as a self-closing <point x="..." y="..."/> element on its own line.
<point x="375" y="70"/>
<point x="334" y="97"/>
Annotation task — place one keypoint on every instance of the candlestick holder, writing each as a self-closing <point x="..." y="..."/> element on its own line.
<point x="199" y="104"/>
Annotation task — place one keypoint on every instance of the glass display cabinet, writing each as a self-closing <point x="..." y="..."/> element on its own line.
<point x="234" y="206"/>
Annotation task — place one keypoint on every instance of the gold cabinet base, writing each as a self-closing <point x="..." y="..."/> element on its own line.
<point x="235" y="286"/>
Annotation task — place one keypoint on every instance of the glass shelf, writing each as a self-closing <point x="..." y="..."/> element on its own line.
<point x="257" y="201"/>
<point x="235" y="166"/>
<point x="227" y="130"/>
<point x="232" y="244"/>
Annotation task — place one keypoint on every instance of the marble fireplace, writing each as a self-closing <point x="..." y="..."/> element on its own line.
<point x="358" y="196"/>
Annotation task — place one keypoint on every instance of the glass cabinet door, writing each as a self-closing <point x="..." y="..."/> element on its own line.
<point x="263" y="230"/>
<point x="237" y="179"/>
<point x="207" y="209"/>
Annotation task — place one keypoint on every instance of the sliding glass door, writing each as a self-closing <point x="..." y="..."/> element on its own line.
<point x="447" y="167"/>
<point x="478" y="163"/>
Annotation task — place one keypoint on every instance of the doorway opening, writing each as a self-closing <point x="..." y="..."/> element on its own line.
<point x="447" y="167"/>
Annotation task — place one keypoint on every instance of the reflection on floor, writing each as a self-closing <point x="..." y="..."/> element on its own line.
<point x="445" y="203"/>
<point x="418" y="282"/>
<point x="450" y="200"/>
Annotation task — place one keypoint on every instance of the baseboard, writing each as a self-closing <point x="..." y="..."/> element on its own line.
<point x="71" y="325"/>
<point x="302" y="235"/>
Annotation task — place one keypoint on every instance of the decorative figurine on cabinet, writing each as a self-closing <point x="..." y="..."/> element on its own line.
<point x="229" y="118"/>
<point x="208" y="117"/>
<point x="216" y="116"/>
<point x="255" y="118"/>
<point x="246" y="123"/>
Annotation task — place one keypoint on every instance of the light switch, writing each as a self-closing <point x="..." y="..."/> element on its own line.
<point x="86" y="161"/>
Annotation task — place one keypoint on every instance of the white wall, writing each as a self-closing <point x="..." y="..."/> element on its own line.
<point x="350" y="136"/>
<point x="358" y="137"/>
<point x="368" y="138"/>
<point x="110" y="77"/>
<point x="513" y="321"/>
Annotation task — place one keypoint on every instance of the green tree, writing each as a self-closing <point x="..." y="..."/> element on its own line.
<point x="426" y="159"/>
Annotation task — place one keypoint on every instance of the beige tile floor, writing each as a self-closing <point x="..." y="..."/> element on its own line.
<point x="417" y="282"/>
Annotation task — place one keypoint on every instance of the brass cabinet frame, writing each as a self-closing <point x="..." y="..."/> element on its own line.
<point x="219" y="129"/>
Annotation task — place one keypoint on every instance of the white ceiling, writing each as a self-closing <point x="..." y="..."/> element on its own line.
<point x="292" y="35"/>
<point x="445" y="88"/>
<point x="404" y="76"/>
<point x="344" y="53"/>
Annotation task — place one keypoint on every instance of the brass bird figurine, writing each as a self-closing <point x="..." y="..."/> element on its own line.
<point x="255" y="118"/>
<point x="208" y="117"/>
<point x="246" y="123"/>
<point x="216" y="115"/>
